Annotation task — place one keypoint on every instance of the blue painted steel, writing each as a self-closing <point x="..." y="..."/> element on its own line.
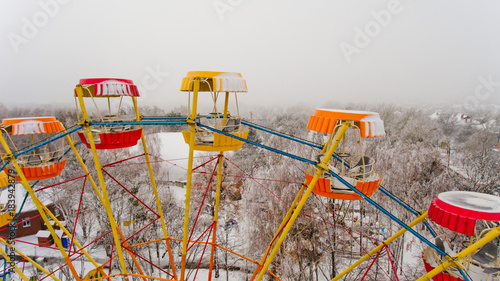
<point x="259" y="145"/>
<point x="99" y="124"/>
<point x="430" y="229"/>
<point x="67" y="150"/>
<point x="387" y="193"/>
<point x="270" y="149"/>
<point x="466" y="278"/>
<point x="391" y="216"/>
<point x="48" y="141"/>
<point x="135" y="123"/>
<point x="281" y="135"/>
<point x="338" y="158"/>
<point x="399" y="201"/>
<point x="6" y="162"/>
<point x="164" y="118"/>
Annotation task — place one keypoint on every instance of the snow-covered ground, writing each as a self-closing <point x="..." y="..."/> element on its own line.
<point x="176" y="151"/>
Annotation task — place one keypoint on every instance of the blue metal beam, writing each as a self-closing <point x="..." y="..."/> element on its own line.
<point x="259" y="145"/>
<point x="136" y="123"/>
<point x="5" y="164"/>
<point x="466" y="278"/>
<point x="281" y="135"/>
<point x="67" y="150"/>
<point x="391" y="216"/>
<point x="366" y="198"/>
<point x="164" y="118"/>
<point x="387" y="193"/>
<point x="48" y="141"/>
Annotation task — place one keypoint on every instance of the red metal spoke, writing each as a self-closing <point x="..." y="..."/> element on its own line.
<point x="128" y="191"/>
<point x="202" y="201"/>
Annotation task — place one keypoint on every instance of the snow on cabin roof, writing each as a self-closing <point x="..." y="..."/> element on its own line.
<point x="20" y="193"/>
<point x="472" y="201"/>
<point x="46" y="233"/>
<point x="43" y="234"/>
<point x="32" y="125"/>
<point x="357" y="112"/>
<point x="325" y="120"/>
<point x="108" y="87"/>
<point x="53" y="223"/>
<point x="216" y="81"/>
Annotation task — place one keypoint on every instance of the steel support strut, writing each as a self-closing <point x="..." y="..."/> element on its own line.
<point x="322" y="167"/>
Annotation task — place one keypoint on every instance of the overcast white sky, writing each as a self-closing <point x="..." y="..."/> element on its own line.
<point x="290" y="52"/>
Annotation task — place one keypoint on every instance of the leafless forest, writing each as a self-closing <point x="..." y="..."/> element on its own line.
<point x="422" y="154"/>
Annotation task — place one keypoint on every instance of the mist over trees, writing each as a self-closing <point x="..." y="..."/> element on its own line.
<point x="420" y="157"/>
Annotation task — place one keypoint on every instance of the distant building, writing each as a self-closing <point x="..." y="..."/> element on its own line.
<point x="435" y="115"/>
<point x="29" y="221"/>
<point x="465" y="118"/>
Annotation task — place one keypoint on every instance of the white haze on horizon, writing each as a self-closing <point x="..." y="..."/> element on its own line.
<point x="290" y="52"/>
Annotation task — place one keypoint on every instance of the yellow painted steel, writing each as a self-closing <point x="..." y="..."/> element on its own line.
<point x="8" y="260"/>
<point x="6" y="217"/>
<point x="225" y="112"/>
<point x="418" y="220"/>
<point x="85" y="169"/>
<point x="155" y="191"/>
<point x="4" y="179"/>
<point x="208" y="76"/>
<point x="492" y="234"/>
<point x="192" y="127"/>
<point x="221" y="142"/>
<point x="29" y="260"/>
<point x="38" y="205"/>
<point x="98" y="166"/>
<point x="126" y="245"/>
<point x="150" y="277"/>
<point x="322" y="167"/>
<point x="96" y="274"/>
<point x="216" y="211"/>
<point x="283" y="222"/>
<point x="61" y="226"/>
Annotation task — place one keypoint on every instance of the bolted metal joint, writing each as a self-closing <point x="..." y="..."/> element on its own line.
<point x="83" y="123"/>
<point x="8" y="157"/>
<point x="322" y="166"/>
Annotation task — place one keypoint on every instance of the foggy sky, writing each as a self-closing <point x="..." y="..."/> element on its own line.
<point x="290" y="52"/>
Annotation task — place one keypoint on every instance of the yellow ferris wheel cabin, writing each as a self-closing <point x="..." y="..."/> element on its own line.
<point x="354" y="167"/>
<point x="215" y="83"/>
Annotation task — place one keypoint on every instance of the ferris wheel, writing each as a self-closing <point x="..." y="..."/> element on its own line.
<point x="37" y="149"/>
